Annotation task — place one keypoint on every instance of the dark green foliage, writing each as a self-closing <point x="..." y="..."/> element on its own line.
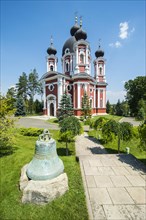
<point x="126" y="130"/>
<point x="108" y="107"/>
<point x="86" y="109"/>
<point x="70" y="127"/>
<point x="38" y="106"/>
<point x="141" y="114"/>
<point x="110" y="130"/>
<point x="136" y="90"/>
<point x="22" y="86"/>
<point x="118" y="108"/>
<point x="33" y="83"/>
<point x="123" y="131"/>
<point x="98" y="124"/>
<point x="65" y="109"/>
<point x="31" y="131"/>
<point x="70" y="124"/>
<point x="20" y="107"/>
<point x="28" y="87"/>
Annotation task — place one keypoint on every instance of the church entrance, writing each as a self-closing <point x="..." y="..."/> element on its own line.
<point x="51" y="105"/>
<point x="51" y="109"/>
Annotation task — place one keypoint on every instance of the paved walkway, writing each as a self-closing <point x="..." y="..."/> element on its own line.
<point x="131" y="120"/>
<point x="115" y="185"/>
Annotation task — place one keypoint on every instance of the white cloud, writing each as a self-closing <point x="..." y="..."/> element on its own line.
<point x="117" y="44"/>
<point x="123" y="30"/>
<point x="113" y="96"/>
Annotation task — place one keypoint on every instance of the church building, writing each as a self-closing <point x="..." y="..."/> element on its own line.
<point x="76" y="76"/>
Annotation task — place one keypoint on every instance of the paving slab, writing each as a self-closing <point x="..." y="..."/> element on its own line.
<point x="120" y="196"/>
<point x="99" y="196"/>
<point x="115" y="185"/>
<point x="103" y="181"/>
<point x="120" y="181"/>
<point x="136" y="180"/>
<point x="138" y="194"/>
<point x="90" y="181"/>
<point x="124" y="212"/>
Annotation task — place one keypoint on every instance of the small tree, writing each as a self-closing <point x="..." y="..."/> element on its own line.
<point x="110" y="130"/>
<point x="98" y="124"/>
<point x="123" y="131"/>
<point x="69" y="128"/>
<point x="141" y="114"/>
<point x="86" y="109"/>
<point x="65" y="109"/>
<point x="6" y="125"/>
<point x="108" y="107"/>
<point x="20" y="107"/>
<point x="142" y="135"/>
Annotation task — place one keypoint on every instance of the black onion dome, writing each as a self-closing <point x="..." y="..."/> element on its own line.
<point x="99" y="53"/>
<point x="51" y="50"/>
<point x="81" y="35"/>
<point x="69" y="44"/>
<point x="74" y="29"/>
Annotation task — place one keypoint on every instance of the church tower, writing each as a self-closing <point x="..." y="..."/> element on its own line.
<point x="51" y="58"/>
<point x="99" y="75"/>
<point x="76" y="75"/>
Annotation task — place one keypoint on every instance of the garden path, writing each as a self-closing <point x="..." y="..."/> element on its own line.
<point x="115" y="185"/>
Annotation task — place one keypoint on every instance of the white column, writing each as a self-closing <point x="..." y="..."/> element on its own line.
<point x="59" y="90"/>
<point x="94" y="96"/>
<point x="79" y="96"/>
<point x="55" y="68"/>
<point x="55" y="107"/>
<point x="44" y="94"/>
<point x="86" y="55"/>
<point x="104" y="99"/>
<point x="47" y="66"/>
<point x="86" y="87"/>
<point x="98" y="90"/>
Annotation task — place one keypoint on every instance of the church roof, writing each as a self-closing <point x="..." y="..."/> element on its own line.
<point x="69" y="44"/>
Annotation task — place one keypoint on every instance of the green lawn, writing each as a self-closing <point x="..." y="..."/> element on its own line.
<point x="115" y="117"/>
<point x="133" y="144"/>
<point x="71" y="206"/>
<point x="53" y="121"/>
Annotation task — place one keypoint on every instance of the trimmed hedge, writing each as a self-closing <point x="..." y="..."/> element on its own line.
<point x="31" y="131"/>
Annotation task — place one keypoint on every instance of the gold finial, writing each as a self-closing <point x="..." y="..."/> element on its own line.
<point x="80" y="21"/>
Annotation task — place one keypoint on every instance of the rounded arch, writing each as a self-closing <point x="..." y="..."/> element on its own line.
<point x="51" y="105"/>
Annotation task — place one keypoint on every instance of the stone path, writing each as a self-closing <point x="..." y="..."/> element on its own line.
<point x="115" y="185"/>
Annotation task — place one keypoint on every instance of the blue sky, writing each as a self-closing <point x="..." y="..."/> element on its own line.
<point x="26" y="27"/>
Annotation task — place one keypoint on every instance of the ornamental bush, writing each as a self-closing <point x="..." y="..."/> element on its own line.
<point x="31" y="131"/>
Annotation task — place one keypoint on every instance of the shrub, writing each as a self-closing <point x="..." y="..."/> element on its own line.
<point x="98" y="124"/>
<point x="31" y="131"/>
<point x="88" y="121"/>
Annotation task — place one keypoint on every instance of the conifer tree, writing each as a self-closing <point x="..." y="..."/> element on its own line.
<point x="20" y="107"/>
<point x="86" y="110"/>
<point x="66" y="109"/>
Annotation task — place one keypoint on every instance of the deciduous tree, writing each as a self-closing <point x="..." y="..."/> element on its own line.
<point x="136" y="90"/>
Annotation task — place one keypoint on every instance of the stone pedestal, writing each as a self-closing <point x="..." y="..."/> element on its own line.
<point x="44" y="191"/>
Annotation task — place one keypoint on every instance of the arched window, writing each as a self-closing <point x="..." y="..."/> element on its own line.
<point x="51" y="68"/>
<point x="100" y="70"/>
<point x="67" y="67"/>
<point x="81" y="58"/>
